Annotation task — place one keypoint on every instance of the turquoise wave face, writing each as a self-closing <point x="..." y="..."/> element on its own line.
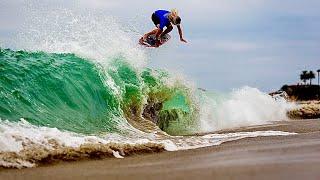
<point x="72" y="93"/>
<point x="55" y="90"/>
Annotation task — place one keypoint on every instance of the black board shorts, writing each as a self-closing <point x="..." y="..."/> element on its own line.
<point x="155" y="19"/>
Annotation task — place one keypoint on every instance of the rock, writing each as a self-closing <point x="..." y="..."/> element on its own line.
<point x="306" y="110"/>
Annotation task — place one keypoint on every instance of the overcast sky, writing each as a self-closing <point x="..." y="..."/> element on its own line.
<point x="232" y="43"/>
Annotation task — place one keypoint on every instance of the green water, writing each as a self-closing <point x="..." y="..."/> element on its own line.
<point x="75" y="94"/>
<point x="55" y="90"/>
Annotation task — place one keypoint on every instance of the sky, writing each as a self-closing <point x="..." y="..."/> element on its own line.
<point x="231" y="43"/>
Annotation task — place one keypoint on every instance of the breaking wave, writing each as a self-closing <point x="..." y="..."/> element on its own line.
<point x="76" y="86"/>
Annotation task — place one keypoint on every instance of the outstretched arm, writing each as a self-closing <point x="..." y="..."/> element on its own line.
<point x="180" y="34"/>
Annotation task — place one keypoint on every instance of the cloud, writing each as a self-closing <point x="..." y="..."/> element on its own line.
<point x="99" y="4"/>
<point x="235" y="46"/>
<point x="293" y="7"/>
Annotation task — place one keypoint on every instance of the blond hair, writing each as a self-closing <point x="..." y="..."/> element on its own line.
<point x="174" y="13"/>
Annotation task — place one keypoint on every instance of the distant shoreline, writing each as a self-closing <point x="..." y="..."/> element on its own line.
<point x="302" y="92"/>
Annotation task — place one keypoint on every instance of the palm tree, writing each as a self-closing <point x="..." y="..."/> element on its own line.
<point x="311" y="76"/>
<point x="304" y="76"/>
<point x="318" y="71"/>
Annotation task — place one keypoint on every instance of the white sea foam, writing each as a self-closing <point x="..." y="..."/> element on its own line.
<point x="16" y="136"/>
<point x="242" y="107"/>
<point x="217" y="139"/>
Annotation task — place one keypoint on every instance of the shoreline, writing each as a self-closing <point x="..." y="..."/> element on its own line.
<point x="276" y="157"/>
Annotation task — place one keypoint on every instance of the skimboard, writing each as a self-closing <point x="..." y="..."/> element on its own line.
<point x="150" y="41"/>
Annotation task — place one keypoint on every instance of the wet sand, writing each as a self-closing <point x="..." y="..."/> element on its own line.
<point x="277" y="157"/>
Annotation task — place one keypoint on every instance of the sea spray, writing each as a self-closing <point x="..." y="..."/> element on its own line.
<point x="242" y="107"/>
<point x="90" y="35"/>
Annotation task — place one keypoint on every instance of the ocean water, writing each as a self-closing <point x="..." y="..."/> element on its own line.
<point x="76" y="86"/>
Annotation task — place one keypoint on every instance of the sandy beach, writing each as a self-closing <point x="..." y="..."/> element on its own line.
<point x="278" y="157"/>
